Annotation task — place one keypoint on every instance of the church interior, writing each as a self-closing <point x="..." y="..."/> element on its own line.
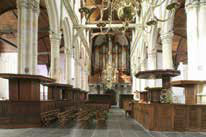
<point x="102" y="68"/>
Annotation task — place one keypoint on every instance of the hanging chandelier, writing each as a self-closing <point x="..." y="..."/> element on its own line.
<point x="109" y="76"/>
<point x="128" y="10"/>
<point x="110" y="72"/>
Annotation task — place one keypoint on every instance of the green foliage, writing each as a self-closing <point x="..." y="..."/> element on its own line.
<point x="166" y="97"/>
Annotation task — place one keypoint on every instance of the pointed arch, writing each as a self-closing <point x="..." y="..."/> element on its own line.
<point x="67" y="34"/>
<point x="54" y="22"/>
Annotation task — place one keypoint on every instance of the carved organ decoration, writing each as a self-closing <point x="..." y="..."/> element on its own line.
<point x="119" y="57"/>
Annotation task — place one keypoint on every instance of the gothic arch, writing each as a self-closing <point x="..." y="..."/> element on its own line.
<point x="67" y="35"/>
<point x="77" y="50"/>
<point x="76" y="46"/>
<point x="54" y="22"/>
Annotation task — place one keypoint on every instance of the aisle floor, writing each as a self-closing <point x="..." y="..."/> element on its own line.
<point x="117" y="126"/>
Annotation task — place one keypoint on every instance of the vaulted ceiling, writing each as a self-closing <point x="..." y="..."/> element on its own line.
<point x="8" y="30"/>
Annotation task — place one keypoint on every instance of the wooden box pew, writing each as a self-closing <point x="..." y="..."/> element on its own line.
<point x="192" y="89"/>
<point x="84" y="117"/>
<point x="104" y="106"/>
<point x="127" y="106"/>
<point x="50" y="109"/>
<point x="101" y="118"/>
<point x="23" y="87"/>
<point x="24" y="105"/>
<point x="57" y="91"/>
<point x="171" y="117"/>
<point x="68" y="115"/>
<point x="123" y="97"/>
<point x="48" y="117"/>
<point x="83" y="95"/>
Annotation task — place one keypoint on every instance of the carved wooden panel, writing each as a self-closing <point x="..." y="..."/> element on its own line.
<point x="193" y="117"/>
<point x="203" y="117"/>
<point x="190" y="95"/>
<point x="179" y="117"/>
<point x="163" y="117"/>
<point x="13" y="90"/>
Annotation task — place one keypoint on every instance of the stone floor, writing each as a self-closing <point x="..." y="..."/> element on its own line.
<point x="117" y="126"/>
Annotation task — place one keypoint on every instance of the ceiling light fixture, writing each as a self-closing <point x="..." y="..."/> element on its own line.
<point x="128" y="10"/>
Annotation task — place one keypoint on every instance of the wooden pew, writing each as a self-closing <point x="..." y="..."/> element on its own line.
<point x="48" y="117"/>
<point x="101" y="118"/>
<point x="66" y="116"/>
<point x="84" y="117"/>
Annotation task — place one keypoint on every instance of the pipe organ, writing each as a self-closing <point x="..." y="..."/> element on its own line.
<point x="119" y="47"/>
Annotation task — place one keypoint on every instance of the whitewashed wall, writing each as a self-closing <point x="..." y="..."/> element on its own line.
<point x="42" y="70"/>
<point x="178" y="93"/>
<point x="8" y="64"/>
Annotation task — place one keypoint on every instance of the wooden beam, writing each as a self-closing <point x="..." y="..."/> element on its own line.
<point x="8" y="42"/>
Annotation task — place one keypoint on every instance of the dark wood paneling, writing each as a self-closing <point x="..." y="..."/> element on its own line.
<point x="179" y="118"/>
<point x="123" y="97"/>
<point x="101" y="98"/>
<point x="170" y="117"/>
<point x="13" y="90"/>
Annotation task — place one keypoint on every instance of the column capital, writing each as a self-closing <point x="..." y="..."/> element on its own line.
<point x="28" y="4"/>
<point x="55" y="35"/>
<point x="68" y="51"/>
<point x="194" y="3"/>
<point x="152" y="51"/>
<point x="36" y="7"/>
<point x="134" y="71"/>
<point x="167" y="37"/>
<point x="190" y="4"/>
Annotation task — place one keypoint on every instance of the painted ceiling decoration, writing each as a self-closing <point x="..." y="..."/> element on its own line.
<point x="121" y="40"/>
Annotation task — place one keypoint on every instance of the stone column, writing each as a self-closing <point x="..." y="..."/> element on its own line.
<point x="192" y="38"/>
<point x="36" y="12"/>
<point x="167" y="38"/>
<point x="152" y="56"/>
<point x="55" y="40"/>
<point x="152" y="53"/>
<point x="85" y="79"/>
<point x="68" y="66"/>
<point x="87" y="82"/>
<point x="196" y="38"/>
<point x="81" y="77"/>
<point x="143" y="81"/>
<point x="28" y="12"/>
<point x="142" y="61"/>
<point x="202" y="40"/>
<point x="133" y="82"/>
<point x="137" y="80"/>
<point x="77" y="74"/>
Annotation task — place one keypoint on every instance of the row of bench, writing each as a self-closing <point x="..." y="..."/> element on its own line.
<point x="83" y="114"/>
